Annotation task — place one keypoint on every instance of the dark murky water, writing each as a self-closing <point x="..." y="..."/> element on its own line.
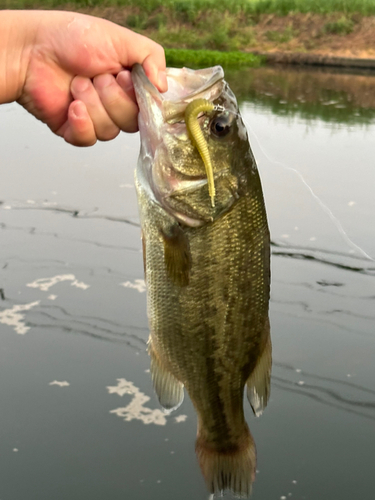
<point x="78" y="415"/>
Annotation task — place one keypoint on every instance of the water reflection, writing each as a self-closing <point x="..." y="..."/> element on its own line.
<point x="331" y="95"/>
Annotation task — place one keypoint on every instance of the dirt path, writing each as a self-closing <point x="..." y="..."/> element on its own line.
<point x="315" y="39"/>
<point x="333" y="35"/>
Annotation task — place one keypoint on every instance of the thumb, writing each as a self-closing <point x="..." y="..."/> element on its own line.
<point x="135" y="48"/>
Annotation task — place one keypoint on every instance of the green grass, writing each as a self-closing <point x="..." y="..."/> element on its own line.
<point x="343" y="26"/>
<point x="281" y="37"/>
<point x="203" y="58"/>
<point x="188" y="10"/>
<point x="284" y="7"/>
<point x="212" y="31"/>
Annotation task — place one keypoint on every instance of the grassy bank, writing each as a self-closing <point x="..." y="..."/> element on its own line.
<point x="191" y="10"/>
<point x="204" y="58"/>
<point x="333" y="27"/>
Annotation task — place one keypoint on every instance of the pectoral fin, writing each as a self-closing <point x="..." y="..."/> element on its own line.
<point x="169" y="390"/>
<point x="177" y="255"/>
<point x="259" y="382"/>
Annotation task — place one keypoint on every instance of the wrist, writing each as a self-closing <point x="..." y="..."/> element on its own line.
<point x="15" y="47"/>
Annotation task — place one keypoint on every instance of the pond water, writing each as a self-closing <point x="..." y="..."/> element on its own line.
<point x="79" y="418"/>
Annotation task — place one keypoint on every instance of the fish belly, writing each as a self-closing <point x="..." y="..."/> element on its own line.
<point x="209" y="334"/>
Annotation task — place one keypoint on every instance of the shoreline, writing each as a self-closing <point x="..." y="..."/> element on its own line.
<point x="316" y="59"/>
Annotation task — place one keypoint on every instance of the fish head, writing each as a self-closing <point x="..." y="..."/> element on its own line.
<point x="170" y="166"/>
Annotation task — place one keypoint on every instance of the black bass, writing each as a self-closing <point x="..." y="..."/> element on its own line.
<point x="206" y="250"/>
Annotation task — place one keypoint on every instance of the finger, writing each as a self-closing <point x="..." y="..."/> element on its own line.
<point x="124" y="79"/>
<point x="120" y="105"/>
<point x="83" y="89"/>
<point x="150" y="54"/>
<point x="79" y="129"/>
<point x="156" y="76"/>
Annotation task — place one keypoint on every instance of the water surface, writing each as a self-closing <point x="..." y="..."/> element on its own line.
<point x="78" y="415"/>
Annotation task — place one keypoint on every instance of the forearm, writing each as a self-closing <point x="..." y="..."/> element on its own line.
<point x="16" y="35"/>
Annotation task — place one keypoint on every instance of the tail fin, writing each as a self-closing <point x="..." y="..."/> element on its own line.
<point x="232" y="469"/>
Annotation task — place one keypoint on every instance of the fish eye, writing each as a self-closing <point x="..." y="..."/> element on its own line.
<point x="221" y="126"/>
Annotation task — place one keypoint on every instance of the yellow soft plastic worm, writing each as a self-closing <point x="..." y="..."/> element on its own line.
<point x="193" y="109"/>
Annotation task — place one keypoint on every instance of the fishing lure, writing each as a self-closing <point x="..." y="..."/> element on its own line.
<point x="193" y="109"/>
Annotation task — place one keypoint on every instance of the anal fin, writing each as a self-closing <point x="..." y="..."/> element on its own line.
<point x="169" y="390"/>
<point x="259" y="382"/>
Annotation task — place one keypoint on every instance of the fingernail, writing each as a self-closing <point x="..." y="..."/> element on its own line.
<point x="104" y="81"/>
<point x="78" y="109"/>
<point x="162" y="81"/>
<point x="81" y="84"/>
<point x="125" y="81"/>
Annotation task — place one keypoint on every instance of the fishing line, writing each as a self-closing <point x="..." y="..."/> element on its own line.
<point x="323" y="206"/>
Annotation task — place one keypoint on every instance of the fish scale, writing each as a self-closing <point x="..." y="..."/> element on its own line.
<point x="207" y="273"/>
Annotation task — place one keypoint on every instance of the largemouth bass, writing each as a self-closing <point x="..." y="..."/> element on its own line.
<point x="207" y="265"/>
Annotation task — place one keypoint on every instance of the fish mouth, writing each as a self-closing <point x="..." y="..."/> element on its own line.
<point x="184" y="85"/>
<point x="162" y="116"/>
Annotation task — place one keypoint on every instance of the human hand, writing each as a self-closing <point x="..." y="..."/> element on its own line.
<point x="74" y="73"/>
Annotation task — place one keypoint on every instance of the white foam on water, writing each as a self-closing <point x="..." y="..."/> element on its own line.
<point x="62" y="383"/>
<point x="136" y="409"/>
<point x="180" y="418"/>
<point x="44" y="284"/>
<point x="138" y="285"/>
<point x="14" y="317"/>
<point x="80" y="284"/>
